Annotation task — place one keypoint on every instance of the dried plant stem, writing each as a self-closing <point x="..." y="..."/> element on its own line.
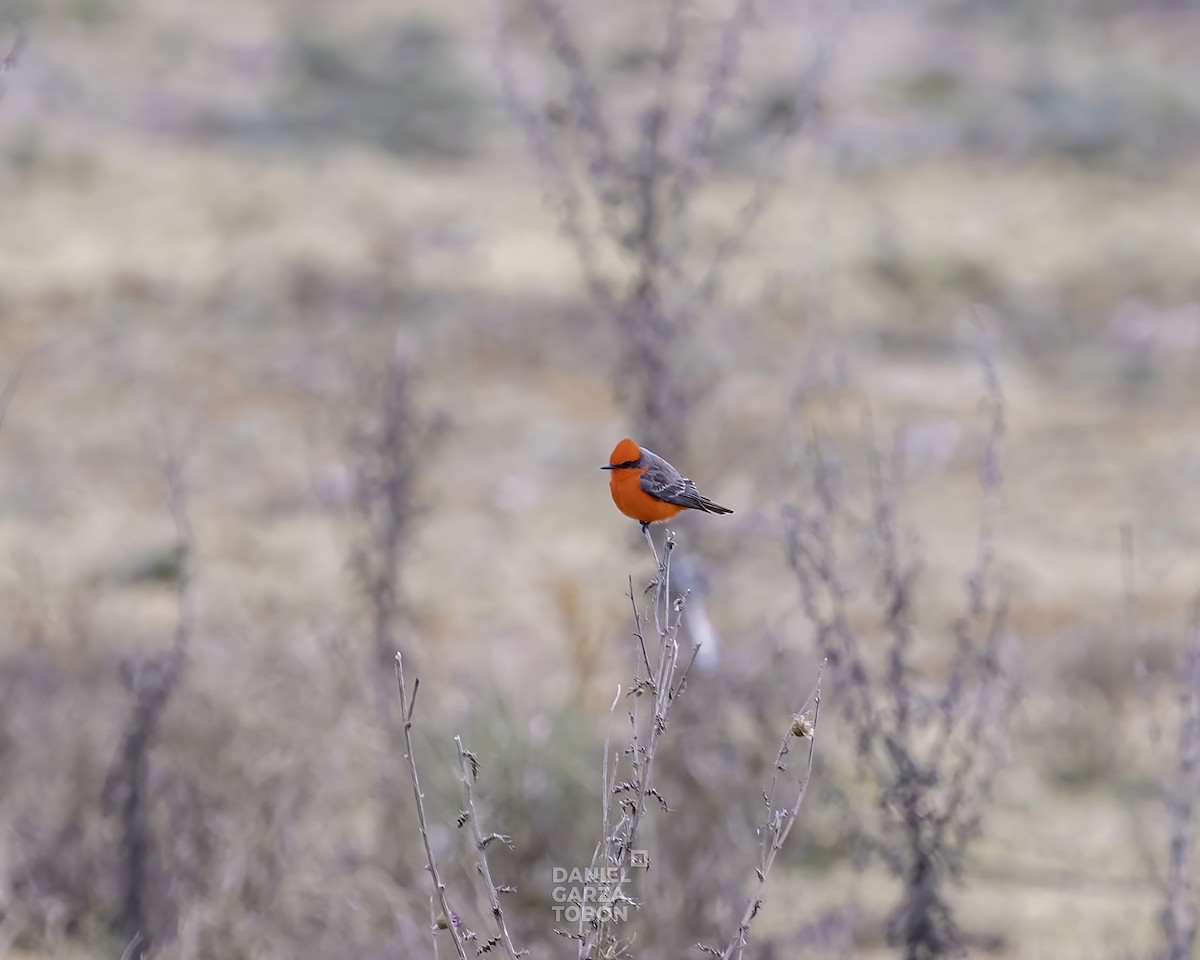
<point x="650" y="540"/>
<point x="466" y="770"/>
<point x="11" y="383"/>
<point x="606" y="784"/>
<point x="779" y="822"/>
<point x="1179" y="910"/>
<point x="1179" y="787"/>
<point x="637" y="629"/>
<point x="407" y="705"/>
<point x="433" y="929"/>
<point x="384" y="500"/>
<point x="134" y="942"/>
<point x="150" y="683"/>
<point x="662" y="684"/>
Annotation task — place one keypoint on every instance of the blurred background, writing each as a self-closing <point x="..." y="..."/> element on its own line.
<point x="317" y="321"/>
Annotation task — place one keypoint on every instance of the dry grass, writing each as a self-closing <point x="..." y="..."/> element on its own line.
<point x="150" y="265"/>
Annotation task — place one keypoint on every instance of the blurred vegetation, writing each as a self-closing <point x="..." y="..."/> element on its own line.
<point x="400" y="87"/>
<point x="1028" y="166"/>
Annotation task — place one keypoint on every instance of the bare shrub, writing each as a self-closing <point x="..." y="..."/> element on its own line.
<point x="1180" y="791"/>
<point x="384" y="452"/>
<point x="267" y="807"/>
<point x="387" y="438"/>
<point x="13" y="380"/>
<point x="625" y="181"/>
<point x="931" y="749"/>
<point x="1178" y="788"/>
<point x="150" y="685"/>
<point x="234" y="800"/>
<point x="629" y="792"/>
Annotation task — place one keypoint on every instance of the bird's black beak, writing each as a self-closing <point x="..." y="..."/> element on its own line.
<point x="607" y="466"/>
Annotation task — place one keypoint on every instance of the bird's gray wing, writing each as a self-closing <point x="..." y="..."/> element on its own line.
<point x="661" y="480"/>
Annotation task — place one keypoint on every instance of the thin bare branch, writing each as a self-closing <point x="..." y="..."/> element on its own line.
<point x="433" y="929"/>
<point x="647" y="725"/>
<point x="1178" y="916"/>
<point x="779" y="822"/>
<point x="989" y="467"/>
<point x="134" y="942"/>
<point x="439" y="888"/>
<point x="150" y="685"/>
<point x="11" y="383"/>
<point x="467" y="777"/>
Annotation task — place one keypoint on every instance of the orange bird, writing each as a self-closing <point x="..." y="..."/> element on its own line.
<point x="644" y="486"/>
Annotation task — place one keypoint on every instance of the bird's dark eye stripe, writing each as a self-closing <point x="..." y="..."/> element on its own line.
<point x="626" y="465"/>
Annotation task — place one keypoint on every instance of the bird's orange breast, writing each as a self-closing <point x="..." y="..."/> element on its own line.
<point x="634" y="502"/>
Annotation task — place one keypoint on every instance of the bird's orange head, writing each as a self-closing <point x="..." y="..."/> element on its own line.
<point x="625" y="453"/>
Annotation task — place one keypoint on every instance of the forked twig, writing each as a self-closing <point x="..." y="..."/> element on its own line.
<point x="467" y="771"/>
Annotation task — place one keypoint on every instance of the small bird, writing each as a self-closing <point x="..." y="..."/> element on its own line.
<point x="648" y="489"/>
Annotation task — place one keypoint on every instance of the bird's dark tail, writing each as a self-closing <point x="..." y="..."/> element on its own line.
<point x="709" y="507"/>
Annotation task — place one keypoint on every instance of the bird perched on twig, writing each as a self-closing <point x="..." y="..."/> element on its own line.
<point x="648" y="489"/>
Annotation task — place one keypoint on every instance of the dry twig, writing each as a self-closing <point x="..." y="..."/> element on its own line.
<point x="1178" y="915"/>
<point x="150" y="685"/>
<point x="780" y="821"/>
<point x="1179" y="784"/>
<point x="9" y="390"/>
<point x="407" y="705"/>
<point x="468" y="772"/>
